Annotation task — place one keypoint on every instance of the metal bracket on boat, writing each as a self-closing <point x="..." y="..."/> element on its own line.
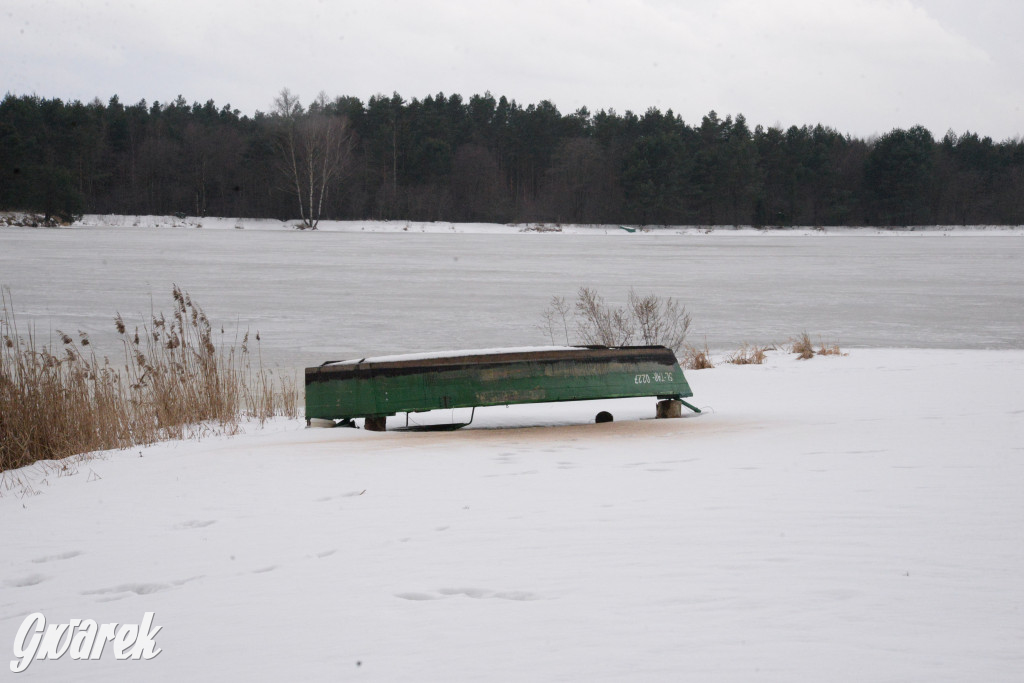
<point x="450" y="427"/>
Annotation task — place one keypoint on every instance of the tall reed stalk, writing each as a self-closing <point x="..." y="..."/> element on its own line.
<point x="177" y="377"/>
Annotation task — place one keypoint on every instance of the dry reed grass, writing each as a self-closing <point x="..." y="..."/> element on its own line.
<point x="177" y="380"/>
<point x="696" y="358"/>
<point x="748" y="354"/>
<point x="829" y="349"/>
<point x="803" y="347"/>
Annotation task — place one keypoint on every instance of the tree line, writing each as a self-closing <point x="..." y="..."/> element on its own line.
<point x="490" y="159"/>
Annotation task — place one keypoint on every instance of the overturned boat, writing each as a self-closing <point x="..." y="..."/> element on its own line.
<point x="375" y="388"/>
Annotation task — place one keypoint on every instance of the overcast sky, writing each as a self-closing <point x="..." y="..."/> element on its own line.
<point x="861" y="66"/>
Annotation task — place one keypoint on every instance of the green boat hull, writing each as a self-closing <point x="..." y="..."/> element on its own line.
<point x="386" y="386"/>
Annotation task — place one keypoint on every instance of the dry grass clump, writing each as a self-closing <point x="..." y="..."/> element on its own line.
<point x="748" y="354"/>
<point x="695" y="358"/>
<point x="60" y="399"/>
<point x="829" y="350"/>
<point x="803" y="347"/>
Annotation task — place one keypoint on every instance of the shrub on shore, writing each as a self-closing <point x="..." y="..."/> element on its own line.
<point x="829" y="349"/>
<point x="748" y="354"/>
<point x="645" y="319"/>
<point x="803" y="347"/>
<point x="696" y="358"/>
<point x="177" y="377"/>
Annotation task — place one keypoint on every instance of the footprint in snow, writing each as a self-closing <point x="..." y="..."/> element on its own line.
<point x="475" y="593"/>
<point x="24" y="581"/>
<point x="137" y="588"/>
<point x="60" y="556"/>
<point x="195" y="524"/>
<point x="417" y="596"/>
<point x="517" y="595"/>
<point x="182" y="582"/>
<point x="348" y="494"/>
<point x="468" y="592"/>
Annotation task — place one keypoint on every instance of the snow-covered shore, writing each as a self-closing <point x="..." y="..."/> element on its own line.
<point x="397" y="226"/>
<point x="850" y="518"/>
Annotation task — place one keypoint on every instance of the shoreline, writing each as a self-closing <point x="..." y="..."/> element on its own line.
<point x="539" y="228"/>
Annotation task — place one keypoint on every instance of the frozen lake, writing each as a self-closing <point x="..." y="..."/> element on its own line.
<point x="316" y="296"/>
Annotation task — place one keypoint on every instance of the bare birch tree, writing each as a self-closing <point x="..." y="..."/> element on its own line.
<point x="314" y="149"/>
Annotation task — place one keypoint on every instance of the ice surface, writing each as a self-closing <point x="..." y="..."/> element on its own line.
<point x="318" y="296"/>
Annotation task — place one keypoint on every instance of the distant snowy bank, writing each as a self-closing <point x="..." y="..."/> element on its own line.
<point x="21" y="219"/>
<point x="213" y="223"/>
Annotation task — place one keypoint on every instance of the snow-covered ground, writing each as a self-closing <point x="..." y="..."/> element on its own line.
<point x="852" y="518"/>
